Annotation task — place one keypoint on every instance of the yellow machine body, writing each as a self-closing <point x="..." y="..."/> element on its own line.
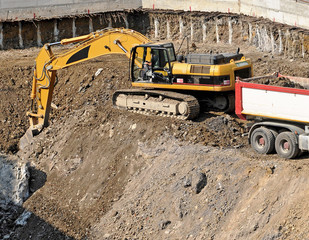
<point x="181" y="69"/>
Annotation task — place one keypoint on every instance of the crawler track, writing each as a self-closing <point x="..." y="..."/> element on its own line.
<point x="161" y="103"/>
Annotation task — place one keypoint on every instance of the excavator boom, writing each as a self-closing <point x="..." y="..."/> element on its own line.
<point x="107" y="41"/>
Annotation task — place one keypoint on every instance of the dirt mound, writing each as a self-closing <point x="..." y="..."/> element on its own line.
<point x="279" y="81"/>
<point x="92" y="147"/>
<point x="14" y="102"/>
<point x="115" y="174"/>
<point x="193" y="196"/>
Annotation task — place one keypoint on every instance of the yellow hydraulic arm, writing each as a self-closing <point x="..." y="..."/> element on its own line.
<point x="107" y="41"/>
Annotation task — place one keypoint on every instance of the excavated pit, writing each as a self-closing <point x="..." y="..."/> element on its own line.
<point x="110" y="174"/>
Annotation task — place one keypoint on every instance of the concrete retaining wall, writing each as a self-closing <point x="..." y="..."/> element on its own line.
<point x="201" y="19"/>
<point x="30" y="33"/>
<point x="292" y="12"/>
<point x="12" y="10"/>
<point x="203" y="27"/>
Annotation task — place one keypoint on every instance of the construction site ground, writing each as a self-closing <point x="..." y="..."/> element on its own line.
<point x="102" y="173"/>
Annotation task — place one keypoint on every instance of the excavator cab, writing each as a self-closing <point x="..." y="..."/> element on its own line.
<point x="152" y="63"/>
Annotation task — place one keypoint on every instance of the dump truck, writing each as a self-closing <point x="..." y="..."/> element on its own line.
<point x="280" y="114"/>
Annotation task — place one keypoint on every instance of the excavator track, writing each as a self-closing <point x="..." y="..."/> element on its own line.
<point x="154" y="102"/>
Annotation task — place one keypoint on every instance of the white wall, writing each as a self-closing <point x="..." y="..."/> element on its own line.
<point x="11" y="4"/>
<point x="290" y="12"/>
<point x="195" y="5"/>
<point x="283" y="11"/>
<point x="28" y="9"/>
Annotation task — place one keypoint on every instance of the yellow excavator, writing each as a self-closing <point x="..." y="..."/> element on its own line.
<point x="164" y="84"/>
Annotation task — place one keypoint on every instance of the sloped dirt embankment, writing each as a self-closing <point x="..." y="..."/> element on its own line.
<point x="113" y="174"/>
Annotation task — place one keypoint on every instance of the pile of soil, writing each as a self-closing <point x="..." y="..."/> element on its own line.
<point x="279" y="81"/>
<point x="15" y="82"/>
<point x="115" y="174"/>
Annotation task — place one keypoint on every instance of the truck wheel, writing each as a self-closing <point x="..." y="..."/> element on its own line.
<point x="275" y="134"/>
<point x="286" y="145"/>
<point x="262" y="140"/>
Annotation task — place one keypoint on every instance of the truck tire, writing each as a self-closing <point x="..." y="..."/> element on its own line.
<point x="275" y="134"/>
<point x="262" y="140"/>
<point x="286" y="145"/>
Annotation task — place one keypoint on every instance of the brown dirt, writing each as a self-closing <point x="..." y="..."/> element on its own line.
<point x="279" y="81"/>
<point x="112" y="174"/>
<point x="15" y="82"/>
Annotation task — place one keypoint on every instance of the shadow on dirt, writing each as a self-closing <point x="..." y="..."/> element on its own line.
<point x="37" y="179"/>
<point x="37" y="228"/>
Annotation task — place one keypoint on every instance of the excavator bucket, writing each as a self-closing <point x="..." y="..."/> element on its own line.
<point x="26" y="139"/>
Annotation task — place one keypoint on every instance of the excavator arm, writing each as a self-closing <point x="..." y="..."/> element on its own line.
<point x="107" y="41"/>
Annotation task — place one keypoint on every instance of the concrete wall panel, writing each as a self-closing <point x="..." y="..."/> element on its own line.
<point x="29" y="9"/>
<point x="290" y="12"/>
<point x="193" y="5"/>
